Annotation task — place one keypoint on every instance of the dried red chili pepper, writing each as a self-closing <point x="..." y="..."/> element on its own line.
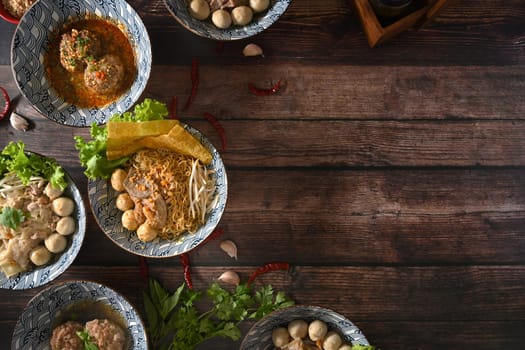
<point x="218" y="127"/>
<point x="185" y="261"/>
<point x="274" y="266"/>
<point x="215" y="234"/>
<point x="194" y="83"/>
<point x="7" y="103"/>
<point x="173" y="108"/>
<point x="264" y="92"/>
<point x="144" y="269"/>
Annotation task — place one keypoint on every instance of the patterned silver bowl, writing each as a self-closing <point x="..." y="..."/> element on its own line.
<point x="103" y="198"/>
<point x="42" y="275"/>
<point x="32" y="37"/>
<point x="206" y="29"/>
<point x="259" y="337"/>
<point x="34" y="327"/>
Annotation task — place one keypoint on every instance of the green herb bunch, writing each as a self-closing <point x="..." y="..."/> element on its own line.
<point x="175" y="322"/>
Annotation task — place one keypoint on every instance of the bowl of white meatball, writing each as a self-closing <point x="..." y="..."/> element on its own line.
<point x="227" y="19"/>
<point x="48" y="240"/>
<point x="303" y="327"/>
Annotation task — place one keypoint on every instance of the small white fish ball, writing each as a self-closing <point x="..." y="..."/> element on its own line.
<point x="55" y="243"/>
<point x="332" y="341"/>
<point x="124" y="202"/>
<point x="52" y="192"/>
<point x="280" y="337"/>
<point x="129" y="221"/>
<point x="146" y="233"/>
<point x="317" y="330"/>
<point x="117" y="179"/>
<point x="221" y="18"/>
<point x="65" y="226"/>
<point x="298" y="329"/>
<point x="40" y="255"/>
<point x="199" y="9"/>
<point x="63" y="206"/>
<point x="242" y="15"/>
<point x="259" y="5"/>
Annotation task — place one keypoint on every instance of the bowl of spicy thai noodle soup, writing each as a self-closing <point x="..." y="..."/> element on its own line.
<point x="81" y="63"/>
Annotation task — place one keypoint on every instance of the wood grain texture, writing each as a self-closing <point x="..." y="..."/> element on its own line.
<point x="392" y="178"/>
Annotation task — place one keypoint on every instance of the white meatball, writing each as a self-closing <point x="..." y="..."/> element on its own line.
<point x="199" y="9"/>
<point x="280" y="337"/>
<point x="146" y="233"/>
<point x="221" y="19"/>
<point x="63" y="206"/>
<point x="129" y="221"/>
<point x="40" y="255"/>
<point x="52" y="192"/>
<point x="298" y="329"/>
<point x="65" y="226"/>
<point x="345" y="347"/>
<point x="259" y="5"/>
<point x="317" y="330"/>
<point x="117" y="179"/>
<point x="55" y="243"/>
<point x="124" y="202"/>
<point x="242" y="15"/>
<point x="332" y="341"/>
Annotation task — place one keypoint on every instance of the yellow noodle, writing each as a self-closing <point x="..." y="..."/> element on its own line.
<point x="170" y="173"/>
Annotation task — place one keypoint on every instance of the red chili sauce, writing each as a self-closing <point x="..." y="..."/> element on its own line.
<point x="71" y="85"/>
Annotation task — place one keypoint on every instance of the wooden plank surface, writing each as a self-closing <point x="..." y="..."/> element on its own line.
<point x="392" y="179"/>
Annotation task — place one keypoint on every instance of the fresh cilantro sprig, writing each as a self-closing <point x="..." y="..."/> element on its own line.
<point x="11" y="217"/>
<point x="13" y="158"/>
<point x="87" y="340"/>
<point x="92" y="153"/>
<point x="175" y="322"/>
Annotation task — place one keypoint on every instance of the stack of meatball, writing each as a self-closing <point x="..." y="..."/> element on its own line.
<point x="103" y="333"/>
<point x="82" y="50"/>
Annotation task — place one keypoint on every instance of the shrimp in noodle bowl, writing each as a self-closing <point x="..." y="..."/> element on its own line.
<point x="171" y="192"/>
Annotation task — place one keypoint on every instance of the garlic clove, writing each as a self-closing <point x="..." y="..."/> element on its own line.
<point x="18" y="122"/>
<point x="252" y="50"/>
<point x="229" y="248"/>
<point x="230" y="277"/>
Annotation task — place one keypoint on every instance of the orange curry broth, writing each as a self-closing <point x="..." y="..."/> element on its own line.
<point x="70" y="85"/>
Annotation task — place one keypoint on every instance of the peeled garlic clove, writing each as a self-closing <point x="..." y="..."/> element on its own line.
<point x="252" y="50"/>
<point x="18" y="122"/>
<point x="230" y="277"/>
<point x="229" y="248"/>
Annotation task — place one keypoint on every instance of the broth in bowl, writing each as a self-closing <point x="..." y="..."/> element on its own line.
<point x="90" y="62"/>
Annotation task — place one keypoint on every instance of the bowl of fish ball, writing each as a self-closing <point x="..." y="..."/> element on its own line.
<point x="42" y="227"/>
<point x="86" y="315"/>
<point x="303" y="327"/>
<point x="227" y="19"/>
<point x="162" y="203"/>
<point x="81" y="63"/>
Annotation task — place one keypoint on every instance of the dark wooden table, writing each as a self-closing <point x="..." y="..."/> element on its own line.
<point x="392" y="179"/>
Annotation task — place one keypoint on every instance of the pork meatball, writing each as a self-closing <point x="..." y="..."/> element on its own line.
<point x="106" y="334"/>
<point x="104" y="76"/>
<point x="65" y="336"/>
<point x="77" y="47"/>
